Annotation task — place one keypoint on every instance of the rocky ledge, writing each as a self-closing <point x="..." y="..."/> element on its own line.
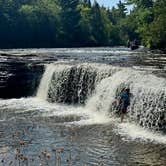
<point x="19" y="76"/>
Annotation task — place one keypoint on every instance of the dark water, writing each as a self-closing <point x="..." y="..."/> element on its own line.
<point x="34" y="132"/>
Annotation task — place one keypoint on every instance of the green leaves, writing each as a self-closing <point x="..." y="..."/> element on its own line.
<point x="151" y="22"/>
<point x="70" y="23"/>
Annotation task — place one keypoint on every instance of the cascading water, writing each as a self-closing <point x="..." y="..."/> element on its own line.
<point x="148" y="99"/>
<point x="99" y="87"/>
<point x="74" y="110"/>
<point x="65" y="83"/>
<point x="42" y="92"/>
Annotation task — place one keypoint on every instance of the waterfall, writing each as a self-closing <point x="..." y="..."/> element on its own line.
<point x="66" y="83"/>
<point x="148" y="97"/>
<point x="98" y="85"/>
<point x="46" y="80"/>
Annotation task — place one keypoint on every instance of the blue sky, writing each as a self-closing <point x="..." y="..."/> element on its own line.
<point x="109" y="3"/>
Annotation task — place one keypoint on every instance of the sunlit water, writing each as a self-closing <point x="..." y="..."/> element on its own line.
<point x="89" y="134"/>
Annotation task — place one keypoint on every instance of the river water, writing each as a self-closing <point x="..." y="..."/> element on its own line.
<point x="71" y="119"/>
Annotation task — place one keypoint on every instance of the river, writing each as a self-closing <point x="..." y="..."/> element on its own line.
<point x="69" y="117"/>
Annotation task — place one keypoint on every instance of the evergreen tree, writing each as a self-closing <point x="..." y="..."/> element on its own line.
<point x="97" y="25"/>
<point x="70" y="17"/>
<point x="71" y="23"/>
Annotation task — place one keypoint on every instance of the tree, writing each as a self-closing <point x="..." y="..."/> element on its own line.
<point x="70" y="18"/>
<point x="98" y="27"/>
<point x="117" y="16"/>
<point x="71" y="23"/>
<point x="85" y="24"/>
<point x="141" y="3"/>
<point x="154" y="33"/>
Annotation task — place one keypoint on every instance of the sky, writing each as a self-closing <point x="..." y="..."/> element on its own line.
<point x="110" y="3"/>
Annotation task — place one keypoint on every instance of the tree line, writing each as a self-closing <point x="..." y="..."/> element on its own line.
<point x="80" y="23"/>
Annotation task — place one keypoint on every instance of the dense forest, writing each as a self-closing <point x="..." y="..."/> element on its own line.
<point x="79" y="23"/>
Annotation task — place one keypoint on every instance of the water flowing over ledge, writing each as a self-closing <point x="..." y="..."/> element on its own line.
<point x="97" y="85"/>
<point x="67" y="83"/>
<point x="74" y="107"/>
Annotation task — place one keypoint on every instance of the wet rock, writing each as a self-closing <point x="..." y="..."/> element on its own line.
<point x="19" y="78"/>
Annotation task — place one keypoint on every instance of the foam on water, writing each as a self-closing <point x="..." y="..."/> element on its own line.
<point x="146" y="88"/>
<point x="71" y="51"/>
<point x="105" y="92"/>
<point x="149" y="94"/>
<point x="135" y="132"/>
<point x="43" y="109"/>
<point x="147" y="101"/>
<point x="89" y="117"/>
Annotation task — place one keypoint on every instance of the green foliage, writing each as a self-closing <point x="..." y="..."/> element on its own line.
<point x="150" y="22"/>
<point x="85" y="24"/>
<point x="70" y="23"/>
<point x="141" y="3"/>
<point x="155" y="35"/>
<point x="70" y="18"/>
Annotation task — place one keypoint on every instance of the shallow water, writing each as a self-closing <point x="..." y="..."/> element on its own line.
<point x="86" y="138"/>
<point x="51" y="133"/>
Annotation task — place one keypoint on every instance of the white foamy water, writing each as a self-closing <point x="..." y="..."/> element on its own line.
<point x="135" y="132"/>
<point x="148" y="94"/>
<point x="46" y="79"/>
<point x="148" y="91"/>
<point x="104" y="93"/>
<point x="70" y="51"/>
<point x="146" y="108"/>
<point x="128" y="130"/>
<point x="44" y="85"/>
<point x="57" y="74"/>
<point x="90" y="132"/>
